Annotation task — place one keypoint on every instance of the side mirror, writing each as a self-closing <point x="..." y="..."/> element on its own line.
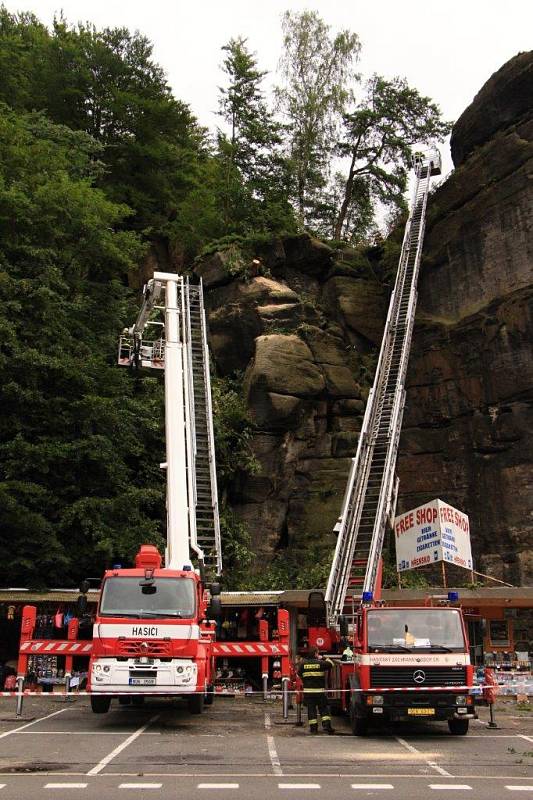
<point x="214" y="589"/>
<point x="84" y="587"/>
<point x="343" y="627"/>
<point x="81" y="605"/>
<point x="214" y="610"/>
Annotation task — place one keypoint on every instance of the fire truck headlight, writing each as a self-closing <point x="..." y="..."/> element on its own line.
<point x="378" y="700"/>
<point x="97" y="667"/>
<point x="460" y="700"/>
<point x="107" y="668"/>
<point x="179" y="669"/>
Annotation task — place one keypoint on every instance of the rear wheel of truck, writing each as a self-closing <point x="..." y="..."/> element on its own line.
<point x="100" y="705"/>
<point x="209" y="695"/>
<point x="196" y="703"/>
<point x="459" y="727"/>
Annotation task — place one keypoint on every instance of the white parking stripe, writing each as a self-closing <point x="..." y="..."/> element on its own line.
<point x="35" y="721"/>
<point x="65" y="786"/>
<point x="272" y="752"/>
<point x="218" y="786"/>
<point x="527" y="738"/>
<point x="298" y="786"/>
<point x="520" y="788"/>
<point x="372" y="786"/>
<point x="140" y="785"/>
<point x="454" y="787"/>
<point x="2" y="785"/>
<point x="110" y="756"/>
<point x="432" y="764"/>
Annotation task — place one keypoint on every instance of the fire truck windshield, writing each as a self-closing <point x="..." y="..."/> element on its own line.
<point x="168" y="597"/>
<point x="429" y="629"/>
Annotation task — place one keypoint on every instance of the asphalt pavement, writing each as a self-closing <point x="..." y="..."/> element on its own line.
<point x="242" y="748"/>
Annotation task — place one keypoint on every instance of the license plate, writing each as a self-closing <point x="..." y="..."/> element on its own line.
<point x="421" y="712"/>
<point x="142" y="681"/>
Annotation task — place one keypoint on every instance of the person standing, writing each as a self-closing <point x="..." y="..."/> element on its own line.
<point x="313" y="671"/>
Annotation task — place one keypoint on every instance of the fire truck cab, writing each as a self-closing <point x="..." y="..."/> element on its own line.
<point x="152" y="635"/>
<point x="408" y="663"/>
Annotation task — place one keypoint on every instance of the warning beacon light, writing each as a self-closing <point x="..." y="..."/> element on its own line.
<point x="453" y="597"/>
<point x="368" y="597"/>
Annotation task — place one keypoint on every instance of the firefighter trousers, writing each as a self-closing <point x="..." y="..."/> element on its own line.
<point x="317" y="703"/>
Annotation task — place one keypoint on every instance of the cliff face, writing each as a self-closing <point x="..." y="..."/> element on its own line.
<point x="468" y="427"/>
<point x="303" y="325"/>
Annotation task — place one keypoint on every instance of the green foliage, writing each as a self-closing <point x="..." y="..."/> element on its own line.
<point x="378" y="135"/>
<point x="79" y="443"/>
<point x="253" y="191"/>
<point x="233" y="430"/>
<point x="237" y="551"/>
<point x="106" y="84"/>
<point x="317" y="71"/>
<point x="295" y="570"/>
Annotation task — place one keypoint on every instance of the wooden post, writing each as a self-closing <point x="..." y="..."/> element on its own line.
<point x="443" y="575"/>
<point x="399" y="580"/>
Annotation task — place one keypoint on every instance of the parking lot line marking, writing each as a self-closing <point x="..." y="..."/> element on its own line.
<point x="110" y="756"/>
<point x="454" y="787"/>
<point x="84" y="733"/>
<point x="140" y="785"/>
<point x="218" y="786"/>
<point x="527" y="738"/>
<point x="520" y="788"/>
<point x="35" y="721"/>
<point x="298" y="786"/>
<point x="65" y="786"/>
<point x="432" y="764"/>
<point x="372" y="786"/>
<point x="272" y="752"/>
<point x="2" y="785"/>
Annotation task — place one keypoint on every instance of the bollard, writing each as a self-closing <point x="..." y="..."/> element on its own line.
<point x="492" y="722"/>
<point x="265" y="685"/>
<point x="285" y="695"/>
<point x="20" y="695"/>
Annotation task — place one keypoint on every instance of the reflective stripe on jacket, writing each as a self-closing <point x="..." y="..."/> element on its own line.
<point x="313" y="672"/>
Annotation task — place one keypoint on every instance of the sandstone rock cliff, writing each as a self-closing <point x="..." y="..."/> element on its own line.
<point x="468" y="427"/>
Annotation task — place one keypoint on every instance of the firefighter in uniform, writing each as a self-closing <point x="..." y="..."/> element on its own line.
<point x="313" y="671"/>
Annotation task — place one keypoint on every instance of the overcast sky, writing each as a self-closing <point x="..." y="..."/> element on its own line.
<point x="447" y="50"/>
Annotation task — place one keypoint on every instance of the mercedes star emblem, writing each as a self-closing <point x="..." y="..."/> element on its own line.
<point x="419" y="676"/>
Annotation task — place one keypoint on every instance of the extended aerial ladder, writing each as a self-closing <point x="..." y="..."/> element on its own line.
<point x="181" y="351"/>
<point x="372" y="488"/>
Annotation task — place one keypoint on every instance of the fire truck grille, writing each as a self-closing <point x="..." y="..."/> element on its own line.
<point x="150" y="648"/>
<point x="385" y="677"/>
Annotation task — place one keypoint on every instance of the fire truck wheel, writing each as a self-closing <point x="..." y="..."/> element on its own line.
<point x="137" y="701"/>
<point x="459" y="727"/>
<point x="123" y="700"/>
<point x="196" y="704"/>
<point x="100" y="705"/>
<point x="209" y="697"/>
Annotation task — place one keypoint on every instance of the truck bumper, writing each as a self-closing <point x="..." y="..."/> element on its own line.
<point x="405" y="707"/>
<point x="129" y="677"/>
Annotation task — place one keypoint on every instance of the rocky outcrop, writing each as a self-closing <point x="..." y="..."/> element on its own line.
<point x="300" y="322"/>
<point x="468" y="427"/>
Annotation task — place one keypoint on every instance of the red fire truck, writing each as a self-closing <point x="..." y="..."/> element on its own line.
<point x="152" y="634"/>
<point x="398" y="663"/>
